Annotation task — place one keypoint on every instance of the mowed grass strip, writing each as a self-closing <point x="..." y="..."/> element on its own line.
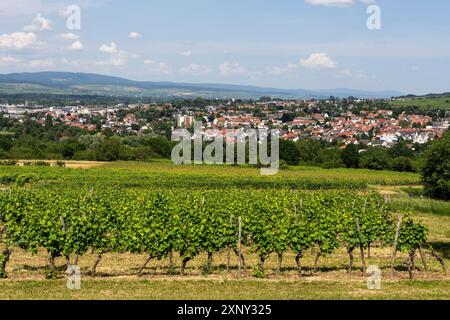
<point x="224" y="289"/>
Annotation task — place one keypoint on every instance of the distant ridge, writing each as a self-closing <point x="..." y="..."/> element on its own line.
<point x="70" y="83"/>
<point x="426" y="96"/>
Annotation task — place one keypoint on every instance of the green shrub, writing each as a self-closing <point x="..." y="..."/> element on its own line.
<point x="41" y="164"/>
<point x="258" y="272"/>
<point x="25" y="178"/>
<point x="61" y="164"/>
<point x="8" y="179"/>
<point x="402" y="164"/>
<point x="9" y="163"/>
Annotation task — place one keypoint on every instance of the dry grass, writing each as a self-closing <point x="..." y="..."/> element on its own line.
<point x="224" y="289"/>
<point x="117" y="279"/>
<point x="70" y="164"/>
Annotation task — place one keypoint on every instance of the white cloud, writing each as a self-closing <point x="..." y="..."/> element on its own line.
<point x="318" y="61"/>
<point x="20" y="40"/>
<point x="69" y="36"/>
<point x="187" y="53"/>
<point x="7" y="60"/>
<point x="158" y="67"/>
<point x="76" y="46"/>
<point x="196" y="70"/>
<point x="75" y="63"/>
<point x="39" y="24"/>
<point x="39" y="64"/>
<point x="346" y="72"/>
<point x="64" y="12"/>
<point x="116" y="59"/>
<point x="134" y="35"/>
<point x="415" y="68"/>
<point x="111" y="49"/>
<point x="283" y="70"/>
<point x="350" y="73"/>
<point x="337" y="3"/>
<point x="149" y="61"/>
<point x="231" y="69"/>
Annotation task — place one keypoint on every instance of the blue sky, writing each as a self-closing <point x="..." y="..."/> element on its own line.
<point x="309" y="44"/>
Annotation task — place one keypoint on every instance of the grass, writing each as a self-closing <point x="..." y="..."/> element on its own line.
<point x="425" y="103"/>
<point x="224" y="290"/>
<point x="423" y="205"/>
<point x="411" y="200"/>
<point x="117" y="279"/>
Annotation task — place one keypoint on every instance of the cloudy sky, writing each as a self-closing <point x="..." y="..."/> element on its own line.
<point x="309" y="44"/>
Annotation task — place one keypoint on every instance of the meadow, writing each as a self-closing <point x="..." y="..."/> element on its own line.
<point x="424" y="103"/>
<point x="117" y="275"/>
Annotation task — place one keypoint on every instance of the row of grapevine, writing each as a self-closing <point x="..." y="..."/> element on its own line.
<point x="160" y="223"/>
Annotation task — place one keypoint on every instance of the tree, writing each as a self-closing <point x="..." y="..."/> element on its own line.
<point x="405" y="124"/>
<point x="402" y="164"/>
<point x="287" y="117"/>
<point x="289" y="152"/>
<point x="436" y="172"/>
<point x="376" y="159"/>
<point x="309" y="150"/>
<point x="350" y="156"/>
<point x="111" y="150"/>
<point x="160" y="145"/>
<point x="331" y="158"/>
<point x="48" y="122"/>
<point x="400" y="149"/>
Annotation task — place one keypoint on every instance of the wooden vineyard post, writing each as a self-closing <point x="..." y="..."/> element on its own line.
<point x="422" y="256"/>
<point x="394" y="251"/>
<point x="368" y="244"/>
<point x="63" y="224"/>
<point x="361" y="246"/>
<point x="239" y="244"/>
<point x="229" y="247"/>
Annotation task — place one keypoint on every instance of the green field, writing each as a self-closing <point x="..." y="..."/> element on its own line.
<point x="425" y="104"/>
<point x="117" y="274"/>
<point x="163" y="174"/>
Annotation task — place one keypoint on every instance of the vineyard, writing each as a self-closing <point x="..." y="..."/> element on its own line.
<point x="165" y="175"/>
<point x="207" y="221"/>
<point x="162" y="223"/>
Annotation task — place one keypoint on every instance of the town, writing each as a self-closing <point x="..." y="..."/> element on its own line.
<point x="335" y="121"/>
